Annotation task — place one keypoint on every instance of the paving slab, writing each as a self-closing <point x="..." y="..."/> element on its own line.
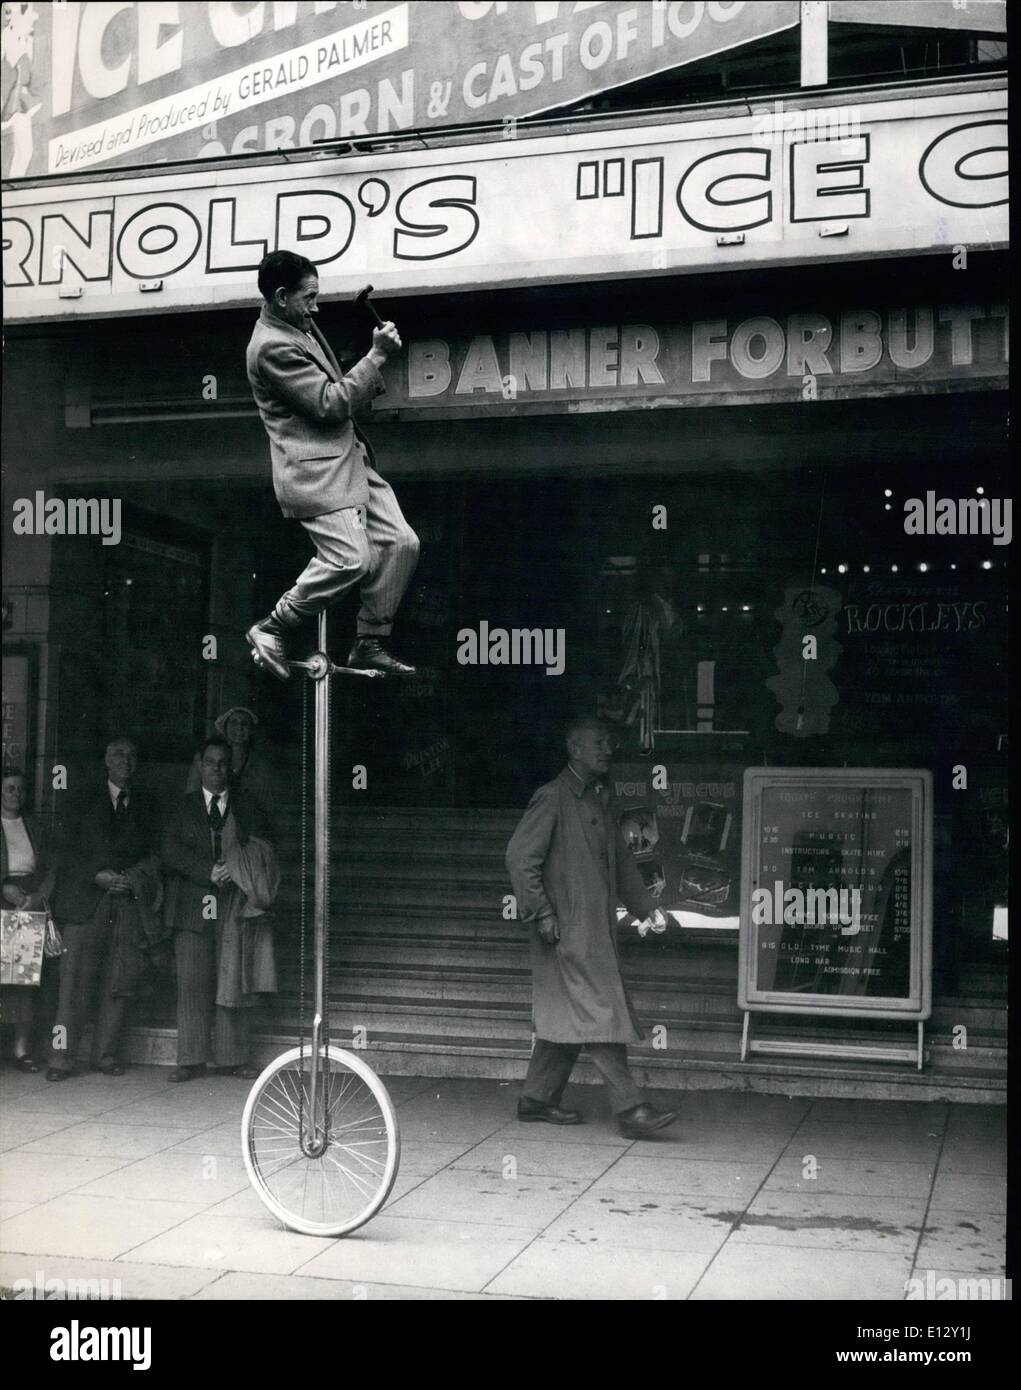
<point x="175" y="1177"/>
<point x="974" y="1155"/>
<point x="980" y="1120"/>
<point x="643" y="1220"/>
<point x="881" y="1112"/>
<point x="282" y="1288"/>
<point x="195" y="1110"/>
<point x="601" y="1132"/>
<point x="715" y="1140"/>
<point x="430" y="1254"/>
<point x="885" y="1143"/>
<point x="967" y="1240"/>
<point x="430" y="1155"/>
<point x="18" y="1126"/>
<point x="729" y="1181"/>
<point x="108" y="1141"/>
<point x="91" y="1227"/>
<point x="980" y="1192"/>
<point x="77" y="1096"/>
<point x="223" y="1140"/>
<point x="488" y="1199"/>
<point x="771" y="1272"/>
<point x="537" y="1158"/>
<point x="565" y="1270"/>
<point x="832" y="1221"/>
<point x="737" y="1108"/>
<point x="257" y="1244"/>
<point x="34" y="1177"/>
<point x="856" y="1177"/>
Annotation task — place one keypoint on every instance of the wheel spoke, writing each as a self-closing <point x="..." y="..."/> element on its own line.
<point x="346" y="1183"/>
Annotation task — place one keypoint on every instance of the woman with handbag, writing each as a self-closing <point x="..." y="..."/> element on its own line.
<point x="26" y="876"/>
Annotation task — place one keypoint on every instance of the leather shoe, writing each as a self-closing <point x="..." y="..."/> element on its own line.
<point x="369" y="654"/>
<point x="244" y="1071"/>
<point x="268" y="650"/>
<point x="531" y="1111"/>
<point x="644" y="1120"/>
<point x="26" y="1063"/>
<point x="110" y="1068"/>
<point x="58" y="1074"/>
<point x="187" y="1073"/>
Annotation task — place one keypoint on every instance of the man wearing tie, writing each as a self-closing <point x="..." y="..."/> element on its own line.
<point x="105" y="904"/>
<point x="199" y="886"/>
<point x="324" y="470"/>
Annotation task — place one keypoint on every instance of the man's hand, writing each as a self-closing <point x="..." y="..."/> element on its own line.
<point x="17" y="897"/>
<point x="220" y="874"/>
<point x="548" y="929"/>
<point x="385" y="342"/>
<point x="656" y="922"/>
<point x="111" y="881"/>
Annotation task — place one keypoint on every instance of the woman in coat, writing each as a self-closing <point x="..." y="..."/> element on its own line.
<point x="249" y="771"/>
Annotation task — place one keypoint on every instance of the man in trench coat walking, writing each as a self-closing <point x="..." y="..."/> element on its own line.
<point x="569" y="867"/>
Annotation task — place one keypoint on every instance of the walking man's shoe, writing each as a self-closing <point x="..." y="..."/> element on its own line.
<point x="644" y="1120"/>
<point x="533" y="1111"/>
<point x="267" y="642"/>
<point x="369" y="654"/>
<point x="187" y="1073"/>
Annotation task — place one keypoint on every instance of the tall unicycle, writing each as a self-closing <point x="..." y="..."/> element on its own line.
<point x="319" y="1133"/>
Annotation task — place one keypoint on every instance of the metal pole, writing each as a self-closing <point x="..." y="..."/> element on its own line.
<point x="321" y="898"/>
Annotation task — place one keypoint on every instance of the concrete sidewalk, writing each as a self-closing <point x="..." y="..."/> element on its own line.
<point x="747" y="1197"/>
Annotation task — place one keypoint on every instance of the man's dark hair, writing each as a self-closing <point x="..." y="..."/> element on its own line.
<point x="215" y="741"/>
<point x="283" y="270"/>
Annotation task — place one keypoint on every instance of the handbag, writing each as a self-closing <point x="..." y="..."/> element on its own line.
<point x="53" y="942"/>
<point x="22" y="936"/>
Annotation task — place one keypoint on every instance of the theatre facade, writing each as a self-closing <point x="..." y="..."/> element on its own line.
<point x="678" y="391"/>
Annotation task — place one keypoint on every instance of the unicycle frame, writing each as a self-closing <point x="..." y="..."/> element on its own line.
<point x="320" y="669"/>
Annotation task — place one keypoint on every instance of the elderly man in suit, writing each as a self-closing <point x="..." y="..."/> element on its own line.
<point x="199" y="885"/>
<point x="570" y="867"/>
<point x="323" y="469"/>
<point x="106" y="904"/>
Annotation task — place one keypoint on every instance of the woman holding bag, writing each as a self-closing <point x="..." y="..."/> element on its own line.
<point x="27" y="876"/>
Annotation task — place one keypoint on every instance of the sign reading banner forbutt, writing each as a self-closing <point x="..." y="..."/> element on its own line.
<point x="925" y="175"/>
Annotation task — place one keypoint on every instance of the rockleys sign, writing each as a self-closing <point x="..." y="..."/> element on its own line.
<point x="926" y="174"/>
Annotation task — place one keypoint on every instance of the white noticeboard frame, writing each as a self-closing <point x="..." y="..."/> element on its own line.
<point x="915" y="1003"/>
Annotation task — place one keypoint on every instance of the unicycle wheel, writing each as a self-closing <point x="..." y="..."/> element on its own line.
<point x="337" y="1190"/>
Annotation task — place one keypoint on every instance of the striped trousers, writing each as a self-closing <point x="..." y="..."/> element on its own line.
<point x="372" y="546"/>
<point x="196" y="954"/>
